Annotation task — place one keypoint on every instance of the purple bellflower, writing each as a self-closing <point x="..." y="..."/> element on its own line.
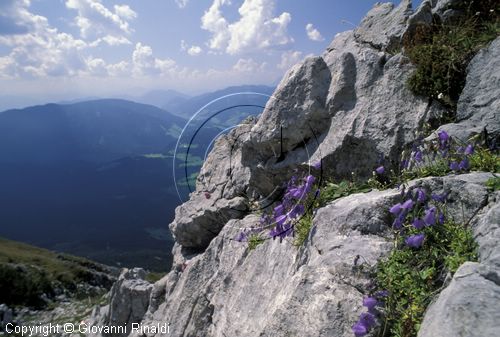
<point x="420" y="195"/>
<point x="396" y="209"/>
<point x="408" y="204"/>
<point x="469" y="149"/>
<point x="415" y="241"/>
<point x="430" y="216"/>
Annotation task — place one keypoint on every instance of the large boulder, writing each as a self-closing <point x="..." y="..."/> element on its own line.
<point x="349" y="108"/>
<point x="317" y="290"/>
<point x="129" y="301"/>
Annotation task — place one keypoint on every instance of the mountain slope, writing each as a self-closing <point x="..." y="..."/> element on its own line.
<point x="165" y="99"/>
<point x="90" y="131"/>
<point x="34" y="276"/>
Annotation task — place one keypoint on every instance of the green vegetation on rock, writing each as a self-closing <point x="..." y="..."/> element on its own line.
<point x="413" y="277"/>
<point x="442" y="51"/>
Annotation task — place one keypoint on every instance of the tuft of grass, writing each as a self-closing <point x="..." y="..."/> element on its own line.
<point x="332" y="191"/>
<point x="413" y="276"/>
<point x="442" y="54"/>
<point x="302" y="229"/>
<point x="153" y="277"/>
<point x="254" y="240"/>
<point x="485" y="160"/>
<point x="438" y="168"/>
<point x="493" y="183"/>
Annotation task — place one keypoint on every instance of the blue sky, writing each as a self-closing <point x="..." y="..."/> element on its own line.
<point x="77" y="48"/>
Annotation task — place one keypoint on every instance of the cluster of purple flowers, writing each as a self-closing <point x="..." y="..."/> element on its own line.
<point x="368" y="320"/>
<point x="456" y="156"/>
<point x="291" y="207"/>
<point x="280" y="221"/>
<point x="418" y="213"/>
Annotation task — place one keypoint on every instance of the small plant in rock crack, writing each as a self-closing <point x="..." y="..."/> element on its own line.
<point x="291" y="215"/>
<point x="438" y="157"/>
<point x="428" y="246"/>
<point x="493" y="183"/>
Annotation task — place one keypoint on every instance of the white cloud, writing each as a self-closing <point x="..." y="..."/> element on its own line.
<point x="248" y="65"/>
<point x="182" y="3"/>
<point x="255" y="29"/>
<point x="97" y="67"/>
<point x="40" y="50"/>
<point x="43" y="51"/>
<point x="194" y="50"/>
<point x="119" y="69"/>
<point x="313" y="33"/>
<point x="15" y="18"/>
<point x="110" y="40"/>
<point x="95" y="20"/>
<point x="125" y="12"/>
<point x="144" y="63"/>
<point x="165" y="66"/>
<point x="214" y="22"/>
<point x="289" y="58"/>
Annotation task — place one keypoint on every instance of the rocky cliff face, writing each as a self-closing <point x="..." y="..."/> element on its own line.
<point x="348" y="108"/>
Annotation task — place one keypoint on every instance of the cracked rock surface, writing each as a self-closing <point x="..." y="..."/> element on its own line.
<point x="348" y="107"/>
<point x="317" y="290"/>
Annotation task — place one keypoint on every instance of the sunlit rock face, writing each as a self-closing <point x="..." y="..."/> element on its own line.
<point x="348" y="107"/>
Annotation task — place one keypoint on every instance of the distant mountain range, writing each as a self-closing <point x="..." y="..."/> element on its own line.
<point x="165" y="99"/>
<point x="239" y="95"/>
<point x="98" y="130"/>
<point x="94" y="178"/>
<point x="83" y="178"/>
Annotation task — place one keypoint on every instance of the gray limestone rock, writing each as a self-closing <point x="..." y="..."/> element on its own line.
<point x="479" y="104"/>
<point x="448" y="11"/>
<point x="468" y="307"/>
<point x="129" y="300"/>
<point x="278" y="290"/>
<point x="349" y="107"/>
<point x="384" y="25"/>
<point x="487" y="233"/>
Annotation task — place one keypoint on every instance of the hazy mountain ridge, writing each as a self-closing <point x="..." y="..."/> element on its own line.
<point x="190" y="106"/>
<point x="91" y="131"/>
